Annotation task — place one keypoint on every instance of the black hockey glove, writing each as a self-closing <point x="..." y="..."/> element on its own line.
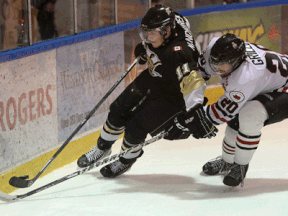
<point x="140" y="51"/>
<point x="198" y="124"/>
<point x="177" y="130"/>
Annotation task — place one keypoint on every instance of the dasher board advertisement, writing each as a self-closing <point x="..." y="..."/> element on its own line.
<point x="255" y="25"/>
<point x="85" y="73"/>
<point x="28" y="101"/>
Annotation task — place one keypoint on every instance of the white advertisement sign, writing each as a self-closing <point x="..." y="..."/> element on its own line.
<point x="85" y="73"/>
<point x="28" y="111"/>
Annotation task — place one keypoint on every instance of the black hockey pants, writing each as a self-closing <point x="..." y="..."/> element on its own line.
<point x="140" y="113"/>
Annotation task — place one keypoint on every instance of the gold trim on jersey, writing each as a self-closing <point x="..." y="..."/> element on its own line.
<point x="191" y="82"/>
<point x="153" y="62"/>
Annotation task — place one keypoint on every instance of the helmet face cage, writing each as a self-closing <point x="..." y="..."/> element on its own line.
<point x="227" y="49"/>
<point x="144" y="30"/>
<point x="158" y="18"/>
<point x="235" y="63"/>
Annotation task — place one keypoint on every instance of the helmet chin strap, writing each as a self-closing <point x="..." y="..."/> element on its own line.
<point x="170" y="37"/>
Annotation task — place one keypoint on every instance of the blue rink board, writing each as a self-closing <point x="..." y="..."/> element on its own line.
<point x="89" y="35"/>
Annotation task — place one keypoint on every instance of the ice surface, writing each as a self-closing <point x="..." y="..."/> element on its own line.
<point x="166" y="181"/>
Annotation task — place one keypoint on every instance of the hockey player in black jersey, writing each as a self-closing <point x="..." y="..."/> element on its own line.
<point x="155" y="101"/>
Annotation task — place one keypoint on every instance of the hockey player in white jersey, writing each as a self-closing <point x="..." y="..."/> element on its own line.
<point x="256" y="94"/>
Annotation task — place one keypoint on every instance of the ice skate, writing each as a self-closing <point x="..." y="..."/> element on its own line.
<point x="116" y="168"/>
<point x="216" y="166"/>
<point x="236" y="175"/>
<point x="95" y="154"/>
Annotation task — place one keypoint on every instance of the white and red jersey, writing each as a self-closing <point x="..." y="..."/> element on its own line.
<point x="263" y="71"/>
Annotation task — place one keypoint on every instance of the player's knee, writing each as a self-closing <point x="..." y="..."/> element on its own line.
<point x="252" y="117"/>
<point x="125" y="105"/>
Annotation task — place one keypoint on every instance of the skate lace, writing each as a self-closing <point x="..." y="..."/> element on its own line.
<point x="218" y="164"/>
<point x="238" y="171"/>
<point x="94" y="153"/>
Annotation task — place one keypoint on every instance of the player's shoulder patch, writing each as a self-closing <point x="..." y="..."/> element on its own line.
<point x="178" y="53"/>
<point x="177" y="48"/>
<point x="237" y="96"/>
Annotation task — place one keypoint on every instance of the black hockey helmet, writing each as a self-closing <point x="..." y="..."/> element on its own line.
<point x="158" y="17"/>
<point x="228" y="49"/>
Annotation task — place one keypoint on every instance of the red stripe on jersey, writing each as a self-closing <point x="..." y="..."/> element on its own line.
<point x="246" y="142"/>
<point x="216" y="114"/>
<point x="285" y="89"/>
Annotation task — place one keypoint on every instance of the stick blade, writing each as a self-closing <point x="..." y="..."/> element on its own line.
<point x="20" y="182"/>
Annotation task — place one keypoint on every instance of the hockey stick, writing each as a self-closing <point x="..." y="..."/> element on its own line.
<point x="22" y="182"/>
<point x="83" y="170"/>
